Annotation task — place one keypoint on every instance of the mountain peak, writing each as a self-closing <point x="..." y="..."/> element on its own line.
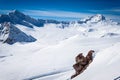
<point x="11" y="34"/>
<point x="99" y="15"/>
<point x="94" y="19"/>
<point x="16" y="13"/>
<point x="97" y="18"/>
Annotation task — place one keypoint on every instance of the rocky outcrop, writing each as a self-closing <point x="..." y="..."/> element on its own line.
<point x="82" y="63"/>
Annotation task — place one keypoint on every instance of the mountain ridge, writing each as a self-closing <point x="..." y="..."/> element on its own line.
<point x="17" y="17"/>
<point x="11" y="34"/>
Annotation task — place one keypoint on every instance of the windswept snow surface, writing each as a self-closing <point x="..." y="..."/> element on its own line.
<point x="105" y="66"/>
<point x="51" y="57"/>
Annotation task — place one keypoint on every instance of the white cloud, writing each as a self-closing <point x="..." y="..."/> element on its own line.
<point x="114" y="17"/>
<point x="68" y="14"/>
<point x="4" y="11"/>
<point x="56" y="13"/>
<point x="115" y="10"/>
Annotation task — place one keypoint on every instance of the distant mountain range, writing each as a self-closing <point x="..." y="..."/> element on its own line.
<point x="10" y="33"/>
<point x="16" y="17"/>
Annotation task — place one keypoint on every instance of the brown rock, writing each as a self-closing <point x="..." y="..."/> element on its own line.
<point x="82" y="63"/>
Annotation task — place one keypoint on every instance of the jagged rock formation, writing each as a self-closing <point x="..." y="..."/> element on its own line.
<point x="11" y="34"/>
<point x="82" y="63"/>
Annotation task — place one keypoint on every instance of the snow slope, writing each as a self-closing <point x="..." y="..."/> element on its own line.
<point x="51" y="57"/>
<point x="105" y="65"/>
<point x="41" y="61"/>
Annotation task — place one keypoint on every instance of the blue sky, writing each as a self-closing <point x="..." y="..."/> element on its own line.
<point x="62" y="8"/>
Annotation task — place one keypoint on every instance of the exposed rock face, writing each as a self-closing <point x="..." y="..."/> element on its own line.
<point x="4" y="31"/>
<point x="4" y="18"/>
<point x="11" y="34"/>
<point x="82" y="63"/>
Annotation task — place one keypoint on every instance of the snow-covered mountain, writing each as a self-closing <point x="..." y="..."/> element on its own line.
<point x="11" y="34"/>
<point x="94" y="19"/>
<point x="17" y="17"/>
<point x="52" y="48"/>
